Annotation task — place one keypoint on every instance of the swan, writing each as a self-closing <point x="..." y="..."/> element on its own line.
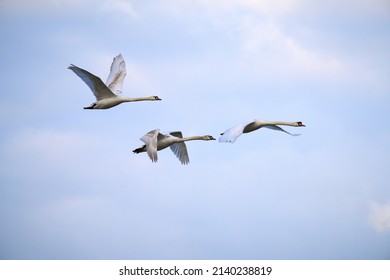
<point x="108" y="95"/>
<point x="156" y="141"/>
<point x="233" y="133"/>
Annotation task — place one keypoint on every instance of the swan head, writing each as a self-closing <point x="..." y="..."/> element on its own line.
<point x="208" y="137"/>
<point x="300" y="124"/>
<point x="156" y="97"/>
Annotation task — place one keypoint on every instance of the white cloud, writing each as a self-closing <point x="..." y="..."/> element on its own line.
<point x="356" y="8"/>
<point x="380" y="216"/>
<point x="264" y="7"/>
<point x="267" y="46"/>
<point x="122" y="8"/>
<point x="41" y="6"/>
<point x="279" y="53"/>
<point x="66" y="7"/>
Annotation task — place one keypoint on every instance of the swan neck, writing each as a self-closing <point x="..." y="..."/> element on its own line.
<point x="190" y="138"/>
<point x="280" y="123"/>
<point x="134" y="99"/>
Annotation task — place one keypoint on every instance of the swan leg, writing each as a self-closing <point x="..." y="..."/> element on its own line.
<point x="139" y="150"/>
<point x="92" y="106"/>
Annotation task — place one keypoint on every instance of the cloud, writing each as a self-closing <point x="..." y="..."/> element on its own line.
<point x="122" y="8"/>
<point x="380" y="216"/>
<point x="42" y="6"/>
<point x="267" y="45"/>
<point x="354" y="9"/>
<point x="281" y="54"/>
<point x="291" y="40"/>
<point x="264" y="7"/>
<point x="67" y="7"/>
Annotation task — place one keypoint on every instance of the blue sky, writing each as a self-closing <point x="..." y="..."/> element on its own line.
<point x="70" y="187"/>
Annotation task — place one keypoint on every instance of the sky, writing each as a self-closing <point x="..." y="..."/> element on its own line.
<point x="71" y="188"/>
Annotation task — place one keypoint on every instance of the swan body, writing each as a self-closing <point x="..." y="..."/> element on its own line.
<point x="108" y="95"/>
<point x="233" y="133"/>
<point x="156" y="141"/>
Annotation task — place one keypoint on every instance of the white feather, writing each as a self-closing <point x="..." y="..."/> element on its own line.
<point x="233" y="133"/>
<point x="117" y="74"/>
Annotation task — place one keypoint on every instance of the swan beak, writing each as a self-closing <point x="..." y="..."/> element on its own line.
<point x="301" y="124"/>
<point x="212" y="138"/>
<point x="157" y="98"/>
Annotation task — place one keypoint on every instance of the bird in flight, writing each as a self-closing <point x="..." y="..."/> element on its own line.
<point x="108" y="94"/>
<point x="233" y="133"/>
<point x="156" y="141"/>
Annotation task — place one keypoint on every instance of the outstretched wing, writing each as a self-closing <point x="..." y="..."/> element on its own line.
<point x="180" y="149"/>
<point x="275" y="127"/>
<point x="117" y="74"/>
<point x="99" y="89"/>
<point x="150" y="140"/>
<point x="233" y="133"/>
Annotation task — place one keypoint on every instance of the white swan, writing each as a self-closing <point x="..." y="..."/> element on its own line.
<point x="233" y="133"/>
<point x="156" y="141"/>
<point x="108" y="95"/>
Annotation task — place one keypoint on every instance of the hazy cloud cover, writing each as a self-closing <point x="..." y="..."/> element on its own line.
<point x="380" y="216"/>
<point x="70" y="187"/>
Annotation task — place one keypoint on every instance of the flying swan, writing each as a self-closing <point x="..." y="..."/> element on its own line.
<point x="233" y="133"/>
<point x="108" y="95"/>
<point x="156" y="141"/>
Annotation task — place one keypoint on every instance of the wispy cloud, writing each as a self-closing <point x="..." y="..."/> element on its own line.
<point x="283" y="55"/>
<point x="380" y="216"/>
<point x="122" y="8"/>
<point x="262" y="7"/>
<point x="266" y="42"/>
<point x="67" y="7"/>
<point x="42" y="6"/>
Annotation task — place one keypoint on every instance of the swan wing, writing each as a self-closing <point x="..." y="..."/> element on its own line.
<point x="117" y="74"/>
<point x="177" y="134"/>
<point x="99" y="89"/>
<point x="150" y="140"/>
<point x="180" y="149"/>
<point x="275" y="127"/>
<point x="233" y="133"/>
